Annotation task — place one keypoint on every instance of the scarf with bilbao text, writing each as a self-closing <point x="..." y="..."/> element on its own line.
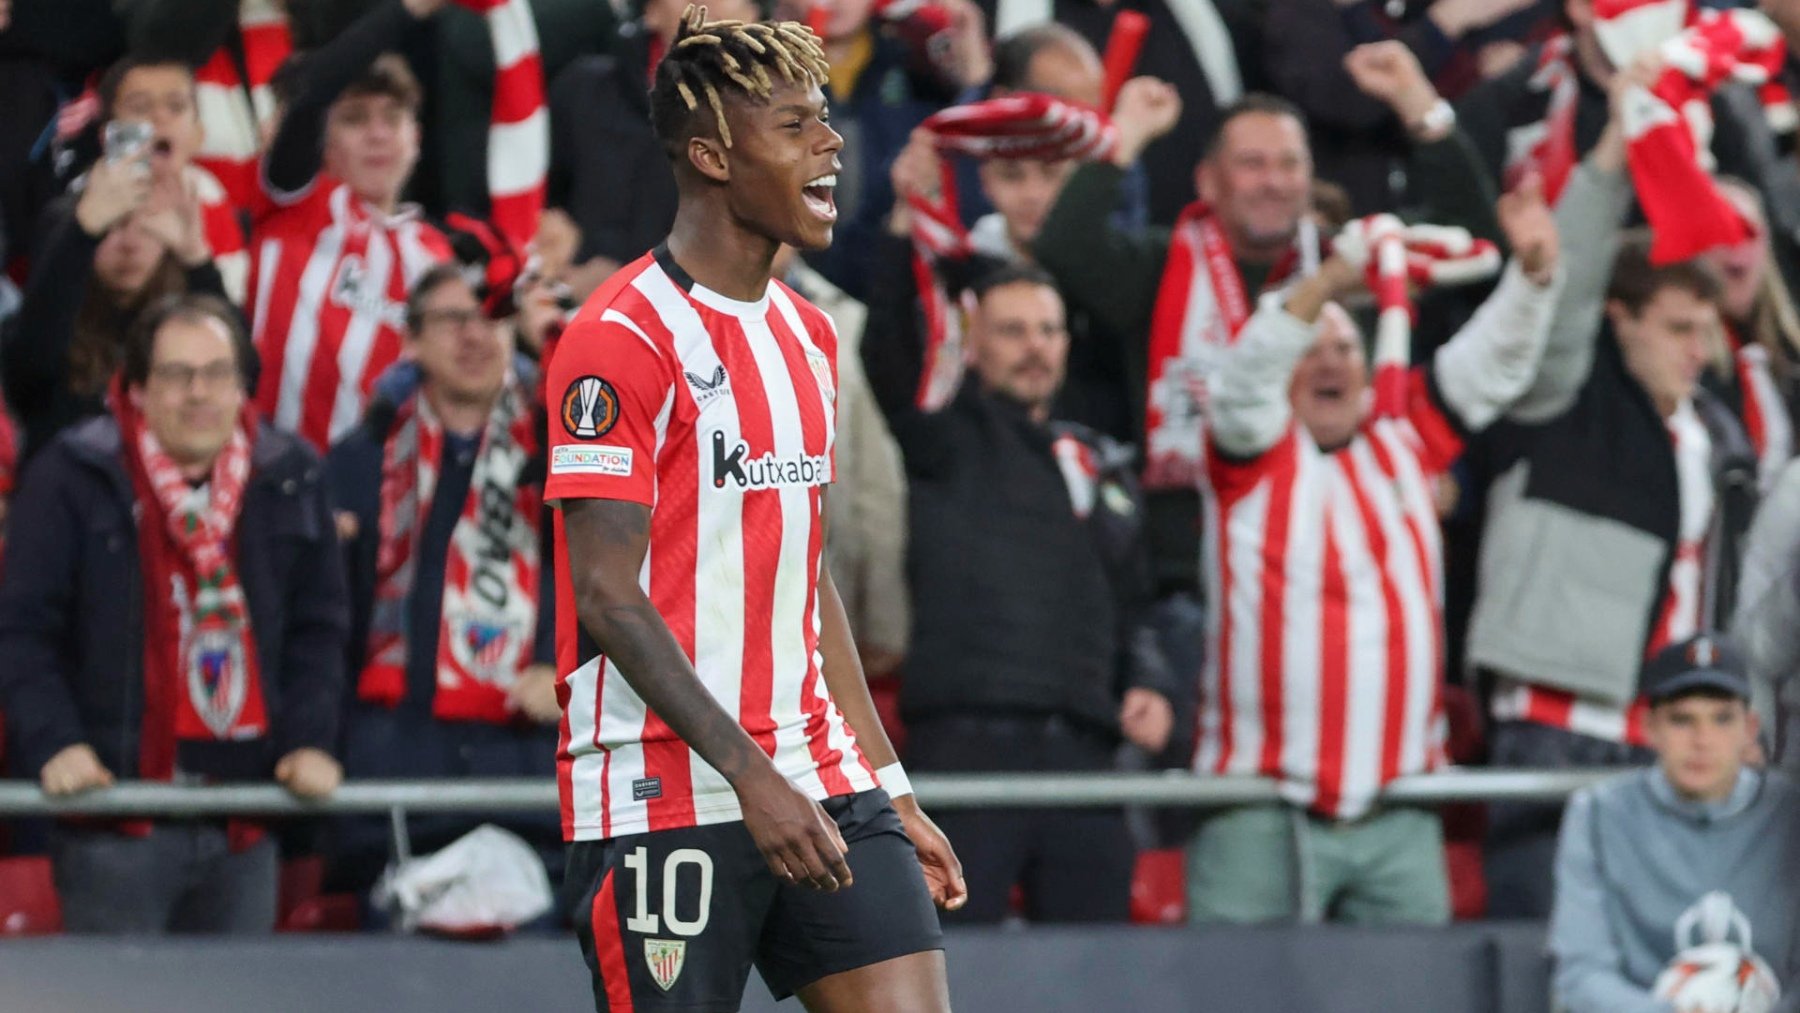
<point x="487" y="628"/>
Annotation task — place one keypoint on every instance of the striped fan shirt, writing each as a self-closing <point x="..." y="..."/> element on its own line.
<point x="1680" y="616"/>
<point x="1325" y="652"/>
<point x="719" y="415"/>
<point x="328" y="284"/>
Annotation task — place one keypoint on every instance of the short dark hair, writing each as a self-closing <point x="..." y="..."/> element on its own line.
<point x="1255" y="103"/>
<point x="1012" y="274"/>
<point x="1636" y="281"/>
<point x="190" y="307"/>
<point x="434" y="278"/>
<point x="1014" y="53"/>
<point x="708" y="58"/>
<point x="114" y="79"/>
<point x="387" y="75"/>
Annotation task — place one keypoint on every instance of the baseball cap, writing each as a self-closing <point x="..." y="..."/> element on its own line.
<point x="1703" y="662"/>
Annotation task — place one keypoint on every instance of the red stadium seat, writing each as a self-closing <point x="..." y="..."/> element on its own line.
<point x="28" y="902"/>
<point x="1465" y="825"/>
<point x="1159" y="888"/>
<point x="302" y="907"/>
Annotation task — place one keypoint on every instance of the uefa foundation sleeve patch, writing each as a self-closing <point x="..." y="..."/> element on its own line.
<point x="574" y="459"/>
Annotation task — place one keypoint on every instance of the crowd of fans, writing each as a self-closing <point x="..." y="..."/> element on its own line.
<point x="1121" y="481"/>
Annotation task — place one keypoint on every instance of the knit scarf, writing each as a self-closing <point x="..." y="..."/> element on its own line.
<point x="1022" y="125"/>
<point x="487" y="626"/>
<point x="1546" y="145"/>
<point x="518" y="149"/>
<point x="201" y="680"/>
<point x="1201" y="306"/>
<point x="235" y="104"/>
<point x="1668" y="129"/>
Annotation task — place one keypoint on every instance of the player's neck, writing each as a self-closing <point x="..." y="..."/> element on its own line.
<point x="720" y="254"/>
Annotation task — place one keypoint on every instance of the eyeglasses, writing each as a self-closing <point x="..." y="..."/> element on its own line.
<point x="452" y="318"/>
<point x="181" y="376"/>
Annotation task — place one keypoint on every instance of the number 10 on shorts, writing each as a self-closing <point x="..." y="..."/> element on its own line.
<point x="646" y="922"/>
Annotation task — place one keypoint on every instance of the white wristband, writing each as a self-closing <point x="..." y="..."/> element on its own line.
<point x="893" y="778"/>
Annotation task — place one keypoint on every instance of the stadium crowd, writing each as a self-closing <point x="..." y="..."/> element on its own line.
<point x="1326" y="390"/>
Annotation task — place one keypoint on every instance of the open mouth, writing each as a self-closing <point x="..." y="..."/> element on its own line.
<point x="820" y="198"/>
<point x="162" y="147"/>
<point x="1329" y="393"/>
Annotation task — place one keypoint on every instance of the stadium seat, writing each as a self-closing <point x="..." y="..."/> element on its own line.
<point x="1159" y="888"/>
<point x="1465" y="824"/>
<point x="302" y="907"/>
<point x="28" y="902"/>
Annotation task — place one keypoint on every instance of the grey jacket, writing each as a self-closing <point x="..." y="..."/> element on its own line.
<point x="1767" y="621"/>
<point x="1584" y="511"/>
<point x="1634" y="857"/>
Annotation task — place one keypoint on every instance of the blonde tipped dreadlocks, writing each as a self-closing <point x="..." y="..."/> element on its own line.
<point x="710" y="55"/>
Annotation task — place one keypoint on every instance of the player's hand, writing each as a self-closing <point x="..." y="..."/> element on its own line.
<point x="1145" y="110"/>
<point x="943" y="871"/>
<point x="1146" y="718"/>
<point x="1389" y="73"/>
<point x="801" y="844"/>
<point x="309" y="772"/>
<point x="74" y="768"/>
<point x="533" y="694"/>
<point x="1530" y="228"/>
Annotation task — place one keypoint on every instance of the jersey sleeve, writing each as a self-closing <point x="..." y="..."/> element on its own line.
<point x="825" y="336"/>
<point x="611" y="392"/>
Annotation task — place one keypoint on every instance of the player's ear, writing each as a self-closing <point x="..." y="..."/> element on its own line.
<point x="710" y="158"/>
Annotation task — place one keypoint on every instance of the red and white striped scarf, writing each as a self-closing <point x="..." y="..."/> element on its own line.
<point x="224" y="231"/>
<point x="518" y="151"/>
<point x="1022" y="125"/>
<point x="234" y="109"/>
<point x="1668" y="129"/>
<point x="1201" y="306"/>
<point x="1547" y="145"/>
<point x="487" y="626"/>
<point x="201" y="678"/>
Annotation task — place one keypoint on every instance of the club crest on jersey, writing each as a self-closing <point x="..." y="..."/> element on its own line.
<point x="708" y="389"/>
<point x="590" y="408"/>
<point x="821" y="371"/>
<point x="665" y="957"/>
<point x="765" y="472"/>
<point x="217" y="678"/>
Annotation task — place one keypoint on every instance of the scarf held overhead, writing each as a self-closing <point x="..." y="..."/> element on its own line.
<point x="201" y="678"/>
<point x="487" y="625"/>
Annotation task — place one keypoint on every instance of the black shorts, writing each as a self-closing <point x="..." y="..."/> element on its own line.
<point x="673" y="919"/>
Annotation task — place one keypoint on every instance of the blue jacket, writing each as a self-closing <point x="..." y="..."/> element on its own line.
<point x="72" y="607"/>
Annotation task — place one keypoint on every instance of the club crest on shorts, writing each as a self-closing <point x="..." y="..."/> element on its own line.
<point x="665" y="957"/>
<point x="590" y="408"/>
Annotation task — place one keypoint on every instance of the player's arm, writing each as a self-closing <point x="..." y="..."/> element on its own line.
<point x="843" y="673"/>
<point x="607" y="542"/>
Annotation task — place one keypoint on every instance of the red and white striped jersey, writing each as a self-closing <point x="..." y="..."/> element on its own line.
<point x="328" y="284"/>
<point x="234" y="109"/>
<point x="720" y="416"/>
<point x="1325" y="652"/>
<point x="1680" y="617"/>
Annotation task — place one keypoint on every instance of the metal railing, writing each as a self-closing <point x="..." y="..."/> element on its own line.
<point x="940" y="791"/>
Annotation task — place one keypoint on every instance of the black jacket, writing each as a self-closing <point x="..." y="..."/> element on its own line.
<point x="72" y="607"/>
<point x="607" y="169"/>
<point x="1019" y="603"/>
